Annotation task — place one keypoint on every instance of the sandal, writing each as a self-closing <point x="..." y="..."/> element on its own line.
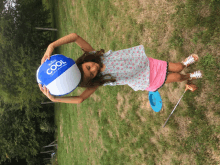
<point x="190" y="60"/>
<point x="195" y="75"/>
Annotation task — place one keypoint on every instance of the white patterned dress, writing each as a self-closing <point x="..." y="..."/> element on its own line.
<point x="129" y="66"/>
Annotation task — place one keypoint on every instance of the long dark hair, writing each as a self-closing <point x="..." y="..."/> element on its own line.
<point x="100" y="79"/>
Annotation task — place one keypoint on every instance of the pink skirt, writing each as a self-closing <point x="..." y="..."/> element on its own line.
<point x="158" y="74"/>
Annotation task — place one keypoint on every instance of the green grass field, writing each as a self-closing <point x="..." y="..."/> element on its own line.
<point x="116" y="125"/>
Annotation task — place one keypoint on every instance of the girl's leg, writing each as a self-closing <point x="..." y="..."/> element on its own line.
<point x="175" y="67"/>
<point x="176" y="77"/>
<point x="178" y="67"/>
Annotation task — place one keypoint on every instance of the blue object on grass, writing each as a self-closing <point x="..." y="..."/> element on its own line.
<point x="155" y="101"/>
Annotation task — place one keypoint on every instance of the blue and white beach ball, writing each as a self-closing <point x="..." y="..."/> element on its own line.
<point x="60" y="75"/>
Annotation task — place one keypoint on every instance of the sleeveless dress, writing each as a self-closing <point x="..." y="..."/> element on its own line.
<point x="129" y="66"/>
<point x="133" y="68"/>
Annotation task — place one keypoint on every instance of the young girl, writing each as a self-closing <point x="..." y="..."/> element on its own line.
<point x="129" y="66"/>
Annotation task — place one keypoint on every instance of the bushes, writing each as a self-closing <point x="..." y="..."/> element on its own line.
<point x="25" y="125"/>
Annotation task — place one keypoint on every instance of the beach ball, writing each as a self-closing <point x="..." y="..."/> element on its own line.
<point x="60" y="75"/>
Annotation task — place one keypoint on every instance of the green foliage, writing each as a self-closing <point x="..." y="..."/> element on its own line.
<point x="21" y="136"/>
<point x="25" y="126"/>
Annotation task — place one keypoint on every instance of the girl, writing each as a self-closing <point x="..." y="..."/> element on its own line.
<point x="129" y="66"/>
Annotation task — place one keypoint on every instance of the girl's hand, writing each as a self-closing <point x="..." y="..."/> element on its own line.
<point x="47" y="54"/>
<point x="46" y="92"/>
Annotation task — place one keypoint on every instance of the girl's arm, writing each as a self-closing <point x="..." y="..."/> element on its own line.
<point x="76" y="99"/>
<point x="73" y="37"/>
<point x="69" y="99"/>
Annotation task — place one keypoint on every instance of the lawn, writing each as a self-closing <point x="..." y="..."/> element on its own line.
<point x="117" y="125"/>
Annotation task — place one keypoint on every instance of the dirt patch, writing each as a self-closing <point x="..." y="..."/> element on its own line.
<point x="144" y="101"/>
<point x="187" y="158"/>
<point x="120" y="100"/>
<point x="157" y="14"/>
<point x="163" y="131"/>
<point x="61" y="130"/>
<point x="110" y="134"/>
<point x="95" y="97"/>
<point x="205" y="12"/>
<point x="100" y="112"/>
<point x="127" y="106"/>
<point x="94" y="137"/>
<point x="173" y="55"/>
<point x="158" y="132"/>
<point x="151" y="10"/>
<point x="188" y="43"/>
<point x="193" y="43"/>
<point x="117" y="134"/>
<point x="163" y="94"/>
<point x="164" y="38"/>
<point x="212" y="119"/>
<point x="214" y="155"/>
<point x="183" y="123"/>
<point x="175" y="94"/>
<point x="115" y="26"/>
<point x="121" y="106"/>
<point x="141" y="117"/>
<point x="79" y="91"/>
<point x="93" y="129"/>
<point x="203" y="97"/>
<point x="80" y="126"/>
<point x="145" y="110"/>
<point x="73" y="3"/>
<point x="61" y="126"/>
<point x="166" y="158"/>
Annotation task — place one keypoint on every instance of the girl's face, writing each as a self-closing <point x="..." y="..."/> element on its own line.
<point x="90" y="69"/>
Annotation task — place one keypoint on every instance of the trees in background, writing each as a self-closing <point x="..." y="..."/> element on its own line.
<point x="24" y="125"/>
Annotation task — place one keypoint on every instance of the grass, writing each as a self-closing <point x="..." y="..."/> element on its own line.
<point x="116" y="125"/>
